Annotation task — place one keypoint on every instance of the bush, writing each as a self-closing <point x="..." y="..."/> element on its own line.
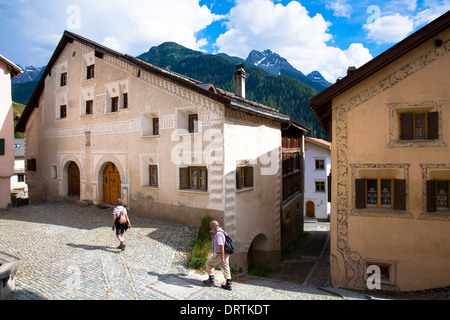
<point x="202" y="245"/>
<point x="197" y="263"/>
<point x="262" y="271"/>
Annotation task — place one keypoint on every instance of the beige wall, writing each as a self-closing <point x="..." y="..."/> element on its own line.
<point x="123" y="138"/>
<point x="7" y="133"/>
<point x="414" y="243"/>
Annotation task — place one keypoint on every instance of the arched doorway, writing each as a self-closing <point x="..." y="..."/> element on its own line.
<point x="257" y="253"/>
<point x="111" y="184"/>
<point x="310" y="209"/>
<point x="73" y="174"/>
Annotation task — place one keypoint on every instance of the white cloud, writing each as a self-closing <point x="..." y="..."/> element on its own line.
<point x="431" y="10"/>
<point x="389" y="29"/>
<point x="398" y="5"/>
<point x="111" y="42"/>
<point x="139" y="24"/>
<point x="341" y="8"/>
<point x="130" y="27"/>
<point x="291" y="32"/>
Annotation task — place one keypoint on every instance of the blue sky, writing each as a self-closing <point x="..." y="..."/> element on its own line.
<point x="327" y="36"/>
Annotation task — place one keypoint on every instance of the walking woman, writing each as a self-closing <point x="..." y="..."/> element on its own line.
<point x="121" y="222"/>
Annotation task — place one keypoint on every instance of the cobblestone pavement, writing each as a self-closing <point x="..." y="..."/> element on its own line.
<point x="69" y="252"/>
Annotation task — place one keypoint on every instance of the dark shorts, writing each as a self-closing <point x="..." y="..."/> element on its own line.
<point x="121" y="228"/>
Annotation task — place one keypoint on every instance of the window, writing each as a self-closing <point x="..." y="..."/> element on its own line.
<point x="320" y="186"/>
<point x="31" y="164"/>
<point x="20" y="178"/>
<point x="125" y="100"/>
<point x="244" y="176"/>
<point x="63" y="79"/>
<point x="53" y="172"/>
<point x="419" y="126"/>
<point x="114" y="104"/>
<point x="380" y="193"/>
<point x="320" y="164"/>
<point x="89" y="106"/>
<point x="2" y="147"/>
<point x="63" y="111"/>
<point x="193" y="178"/>
<point x="193" y="123"/>
<point x="90" y="72"/>
<point x="155" y="126"/>
<point x="438" y="195"/>
<point x="153" y="175"/>
<point x="291" y="162"/>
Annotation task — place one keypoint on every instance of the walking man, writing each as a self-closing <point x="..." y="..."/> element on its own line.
<point x="219" y="257"/>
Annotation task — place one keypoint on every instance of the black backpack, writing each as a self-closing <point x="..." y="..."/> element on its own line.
<point x="228" y="247"/>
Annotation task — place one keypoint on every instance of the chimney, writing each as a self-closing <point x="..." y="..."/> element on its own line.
<point x="239" y="80"/>
<point x="350" y="70"/>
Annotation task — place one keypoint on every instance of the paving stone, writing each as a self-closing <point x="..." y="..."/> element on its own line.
<point x="69" y="252"/>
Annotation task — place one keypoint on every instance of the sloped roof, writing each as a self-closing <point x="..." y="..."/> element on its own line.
<point x="321" y="103"/>
<point x="209" y="90"/>
<point x="15" y="70"/>
<point x="319" y="142"/>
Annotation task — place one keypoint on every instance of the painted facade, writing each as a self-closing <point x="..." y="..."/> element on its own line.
<point x="389" y="122"/>
<point x="317" y="170"/>
<point x="8" y="71"/>
<point x="103" y="125"/>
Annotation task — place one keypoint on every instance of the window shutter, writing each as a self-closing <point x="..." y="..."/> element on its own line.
<point x="2" y="147"/>
<point x="329" y="186"/>
<point x="184" y="178"/>
<point x="399" y="194"/>
<point x="407" y="126"/>
<point x="248" y="179"/>
<point x="238" y="178"/>
<point x="360" y="193"/>
<point x="432" y="119"/>
<point x="431" y="195"/>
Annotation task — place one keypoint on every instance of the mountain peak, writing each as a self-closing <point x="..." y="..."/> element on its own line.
<point x="29" y="73"/>
<point x="268" y="61"/>
<point x="273" y="63"/>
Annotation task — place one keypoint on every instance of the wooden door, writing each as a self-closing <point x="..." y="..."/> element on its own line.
<point x="111" y="184"/>
<point x="74" y="180"/>
<point x="310" y="209"/>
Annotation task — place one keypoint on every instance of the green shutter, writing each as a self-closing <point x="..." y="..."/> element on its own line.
<point x="399" y="194"/>
<point x="431" y="195"/>
<point x="2" y="147"/>
<point x="184" y="178"/>
<point x="360" y="193"/>
<point x="432" y="119"/>
<point x="407" y="126"/>
<point x="248" y="176"/>
<point x="238" y="178"/>
<point x="329" y="187"/>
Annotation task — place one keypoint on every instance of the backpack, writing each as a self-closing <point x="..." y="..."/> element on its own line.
<point x="228" y="247"/>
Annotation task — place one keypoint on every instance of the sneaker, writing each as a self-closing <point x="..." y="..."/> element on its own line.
<point x="227" y="285"/>
<point x="210" y="280"/>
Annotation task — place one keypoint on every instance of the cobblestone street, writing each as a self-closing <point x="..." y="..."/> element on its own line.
<point x="69" y="252"/>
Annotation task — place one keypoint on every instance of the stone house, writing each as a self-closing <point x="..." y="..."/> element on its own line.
<point x="102" y="125"/>
<point x="8" y="71"/>
<point x="390" y="129"/>
<point x="19" y="187"/>
<point x="317" y="170"/>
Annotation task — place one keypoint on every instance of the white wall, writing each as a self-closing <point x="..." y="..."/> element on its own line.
<point x="321" y="205"/>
